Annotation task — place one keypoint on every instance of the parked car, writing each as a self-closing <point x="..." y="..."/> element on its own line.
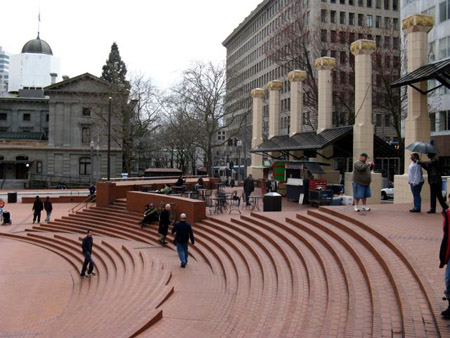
<point x="387" y="193"/>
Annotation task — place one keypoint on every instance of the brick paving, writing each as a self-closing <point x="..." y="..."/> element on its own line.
<point x="304" y="272"/>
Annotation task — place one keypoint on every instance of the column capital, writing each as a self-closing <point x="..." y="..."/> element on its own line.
<point x="418" y="23"/>
<point x="325" y="63"/>
<point x="275" y="85"/>
<point x="257" y="92"/>
<point x="362" y="46"/>
<point x="297" y="75"/>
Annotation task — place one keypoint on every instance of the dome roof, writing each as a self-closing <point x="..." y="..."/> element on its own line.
<point x="37" y="46"/>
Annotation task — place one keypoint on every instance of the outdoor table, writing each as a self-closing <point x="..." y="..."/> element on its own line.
<point x="219" y="203"/>
<point x="202" y="193"/>
<point x="256" y="199"/>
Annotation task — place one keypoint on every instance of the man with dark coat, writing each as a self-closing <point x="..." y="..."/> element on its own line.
<point x="48" y="208"/>
<point x="38" y="206"/>
<point x="86" y="246"/>
<point x="164" y="222"/>
<point x="183" y="231"/>
<point x="249" y="187"/>
<point x="435" y="182"/>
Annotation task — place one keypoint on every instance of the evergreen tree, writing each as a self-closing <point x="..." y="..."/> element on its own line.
<point x="115" y="70"/>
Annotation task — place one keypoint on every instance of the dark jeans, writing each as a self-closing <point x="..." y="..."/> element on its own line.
<point x="182" y="249"/>
<point x="416" y="195"/>
<point x="247" y="194"/>
<point x="436" y="191"/>
<point x="37" y="214"/>
<point x="87" y="260"/>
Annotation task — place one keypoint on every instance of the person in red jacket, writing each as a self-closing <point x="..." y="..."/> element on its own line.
<point x="444" y="257"/>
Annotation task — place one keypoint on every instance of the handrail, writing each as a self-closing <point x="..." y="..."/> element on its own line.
<point x="83" y="204"/>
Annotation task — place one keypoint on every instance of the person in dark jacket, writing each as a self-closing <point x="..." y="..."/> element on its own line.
<point x="150" y="215"/>
<point x="183" y="231"/>
<point x="164" y="222"/>
<point x="249" y="187"/>
<point x="180" y="181"/>
<point x="444" y="258"/>
<point x="435" y="182"/>
<point x="86" y="246"/>
<point x="48" y="208"/>
<point x="37" y="208"/>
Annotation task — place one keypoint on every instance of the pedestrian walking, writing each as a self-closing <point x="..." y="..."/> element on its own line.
<point x="86" y="246"/>
<point x="361" y="180"/>
<point x="37" y="208"/>
<point x="48" y="208"/>
<point x="415" y="180"/>
<point x="164" y="222"/>
<point x="183" y="232"/>
<point x="249" y="187"/>
<point x="435" y="182"/>
<point x="444" y="259"/>
<point x="92" y="191"/>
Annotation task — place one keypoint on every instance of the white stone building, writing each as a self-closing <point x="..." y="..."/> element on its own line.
<point x="439" y="49"/>
<point x="4" y="70"/>
<point x="34" y="67"/>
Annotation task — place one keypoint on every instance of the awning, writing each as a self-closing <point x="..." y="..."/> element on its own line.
<point x="314" y="168"/>
<point x="438" y="70"/>
<point x="303" y="141"/>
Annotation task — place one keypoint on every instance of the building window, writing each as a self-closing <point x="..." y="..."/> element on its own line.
<point x="27" y="117"/>
<point x="323" y="34"/>
<point x="333" y="16"/>
<point x="369" y="3"/>
<point x="431" y="51"/>
<point x="444" y="9"/>
<point x="39" y="167"/>
<point x="378" y="4"/>
<point x="86" y="111"/>
<point x="395" y="5"/>
<point x="351" y="19"/>
<point x="386" y="5"/>
<point x="333" y="36"/>
<point x="443" y="48"/>
<point x="387" y="42"/>
<point x="395" y="24"/>
<point x="342" y="57"/>
<point x="351" y="37"/>
<point x="378" y="21"/>
<point x="342" y="2"/>
<point x="444" y="120"/>
<point x="378" y="120"/>
<point x="85" y="135"/>
<point x="323" y="15"/>
<point x="351" y="2"/>
<point x="360" y="19"/>
<point x="46" y="117"/>
<point x="85" y="166"/>
<point x="387" y="120"/>
<point x="360" y="3"/>
<point x="342" y="18"/>
<point x="369" y="20"/>
<point x="433" y="122"/>
<point x="3" y="116"/>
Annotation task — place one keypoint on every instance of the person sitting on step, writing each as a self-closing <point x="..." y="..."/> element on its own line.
<point x="150" y="215"/>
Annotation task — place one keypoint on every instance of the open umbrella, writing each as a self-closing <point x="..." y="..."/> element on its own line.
<point x="422" y="147"/>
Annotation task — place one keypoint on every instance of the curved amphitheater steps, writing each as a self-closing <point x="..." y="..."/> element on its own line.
<point x="310" y="274"/>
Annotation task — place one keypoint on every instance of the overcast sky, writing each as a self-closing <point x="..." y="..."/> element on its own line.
<point x="158" y="38"/>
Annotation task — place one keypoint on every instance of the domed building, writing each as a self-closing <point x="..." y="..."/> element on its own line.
<point x="34" y="67"/>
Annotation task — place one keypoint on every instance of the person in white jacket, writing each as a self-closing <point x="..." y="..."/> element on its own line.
<point x="415" y="180"/>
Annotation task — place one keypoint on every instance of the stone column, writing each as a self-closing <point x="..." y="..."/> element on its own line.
<point x="257" y="127"/>
<point x="274" y="88"/>
<point x="296" y="78"/>
<point x="363" y="130"/>
<point x="417" y="124"/>
<point x="324" y="66"/>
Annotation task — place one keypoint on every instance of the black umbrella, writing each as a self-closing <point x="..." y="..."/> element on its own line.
<point x="422" y="147"/>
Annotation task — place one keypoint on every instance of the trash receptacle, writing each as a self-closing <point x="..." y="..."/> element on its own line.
<point x="12" y="197"/>
<point x="272" y="201"/>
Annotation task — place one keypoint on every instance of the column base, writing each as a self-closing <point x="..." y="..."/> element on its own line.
<point x="257" y="173"/>
<point x="403" y="194"/>
<point x="375" y="187"/>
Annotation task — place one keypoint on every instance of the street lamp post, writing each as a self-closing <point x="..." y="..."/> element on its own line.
<point x="92" y="162"/>
<point x="239" y="145"/>
<point x="109" y="139"/>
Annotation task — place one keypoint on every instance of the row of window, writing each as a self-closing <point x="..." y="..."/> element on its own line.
<point x="27" y="116"/>
<point x="358" y="19"/>
<point x="440" y="121"/>
<point x="368" y="3"/>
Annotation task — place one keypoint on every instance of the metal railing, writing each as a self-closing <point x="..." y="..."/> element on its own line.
<point x="83" y="204"/>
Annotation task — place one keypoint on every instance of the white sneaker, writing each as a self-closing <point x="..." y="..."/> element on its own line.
<point x="364" y="208"/>
<point x="356" y="208"/>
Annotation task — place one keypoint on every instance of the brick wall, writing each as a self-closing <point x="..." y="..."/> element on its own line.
<point x="195" y="210"/>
